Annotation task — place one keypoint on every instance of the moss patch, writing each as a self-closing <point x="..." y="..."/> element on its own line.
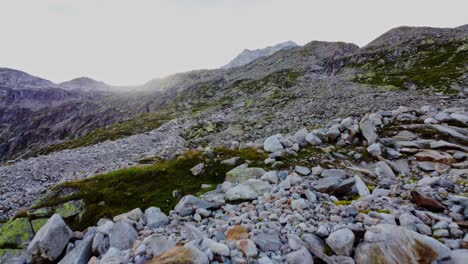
<point x="120" y="191"/>
<point x="436" y="65"/>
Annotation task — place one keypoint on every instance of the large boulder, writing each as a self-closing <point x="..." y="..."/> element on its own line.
<point x="80" y="254"/>
<point x="248" y="190"/>
<point x="243" y="172"/>
<point x="268" y="241"/>
<point x="122" y="235"/>
<point x="51" y="239"/>
<point x="300" y="256"/>
<point x="188" y="204"/>
<point x="272" y="144"/>
<point x="155" y="218"/>
<point x="368" y="130"/>
<point x="159" y="244"/>
<point x="334" y="185"/>
<point x="341" y="241"/>
<point x="390" y="244"/>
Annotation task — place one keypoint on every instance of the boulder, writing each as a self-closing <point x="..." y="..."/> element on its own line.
<point x="334" y="172"/>
<point x="334" y="184"/>
<point x="181" y="255"/>
<point x="268" y="241"/>
<point x="51" y="239"/>
<point x="299" y="257"/>
<point x="434" y="156"/>
<point x="243" y="172"/>
<point x="197" y="169"/>
<point x="247" y="247"/>
<point x="302" y="170"/>
<point x="80" y="254"/>
<point x="385" y="243"/>
<point x="154" y="218"/>
<point x="368" y="130"/>
<point x="159" y="244"/>
<point x="361" y="186"/>
<point x="300" y="137"/>
<point x="122" y="235"/>
<point x="237" y="232"/>
<point x="114" y="256"/>
<point x="215" y="247"/>
<point x="427" y="202"/>
<point x="272" y="144"/>
<point x="188" y="204"/>
<point x="134" y="215"/>
<point x="341" y="241"/>
<point x="241" y="192"/>
<point x="375" y="150"/>
<point x="313" y="140"/>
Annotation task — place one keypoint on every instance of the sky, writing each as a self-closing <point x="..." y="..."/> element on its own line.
<point x="131" y="42"/>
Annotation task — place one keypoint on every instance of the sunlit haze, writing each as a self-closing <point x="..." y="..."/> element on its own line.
<point x="131" y="42"/>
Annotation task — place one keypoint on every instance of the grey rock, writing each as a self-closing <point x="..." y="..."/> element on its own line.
<point x="159" y="244"/>
<point x="368" y="130"/>
<point x="80" y="254"/>
<point x="341" y="242"/>
<point x="361" y="186"/>
<point x="51" y="239"/>
<point x="374" y="150"/>
<point x="334" y="172"/>
<point x="302" y="170"/>
<point x="243" y="172"/>
<point x="398" y="245"/>
<point x="154" y="218"/>
<point x="272" y="144"/>
<point x="299" y="256"/>
<point x="313" y="140"/>
<point x="188" y="204"/>
<point x="267" y="241"/>
<point x="197" y="169"/>
<point x="122" y="235"/>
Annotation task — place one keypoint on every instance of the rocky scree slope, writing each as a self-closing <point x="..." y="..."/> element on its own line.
<point x="389" y="187"/>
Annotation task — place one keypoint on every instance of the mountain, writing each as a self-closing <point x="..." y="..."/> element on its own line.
<point x="15" y="79"/>
<point x="85" y="84"/>
<point x="248" y="56"/>
<point x="430" y="60"/>
<point x="377" y="133"/>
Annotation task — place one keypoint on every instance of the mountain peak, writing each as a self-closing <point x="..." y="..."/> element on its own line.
<point x="16" y="79"/>
<point x="247" y="56"/>
<point x="85" y="84"/>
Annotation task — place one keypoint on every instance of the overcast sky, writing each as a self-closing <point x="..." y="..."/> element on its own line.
<point x="130" y="42"/>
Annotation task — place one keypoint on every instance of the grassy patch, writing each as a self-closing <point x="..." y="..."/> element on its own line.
<point x="123" y="190"/>
<point x="433" y="65"/>
<point x="281" y="79"/>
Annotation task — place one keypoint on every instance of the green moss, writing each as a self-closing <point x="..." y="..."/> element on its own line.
<point x="383" y="211"/>
<point x="433" y="65"/>
<point x="5" y="251"/>
<point x="343" y="202"/>
<point x="327" y="250"/>
<point x="120" y="191"/>
<point x="15" y="233"/>
<point x="281" y="79"/>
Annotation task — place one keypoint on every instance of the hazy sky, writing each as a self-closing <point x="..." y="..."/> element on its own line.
<point x="130" y="42"/>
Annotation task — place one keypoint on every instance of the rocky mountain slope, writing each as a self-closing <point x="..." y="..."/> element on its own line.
<point x="207" y="122"/>
<point x="415" y="56"/>
<point x="389" y="187"/>
<point x="248" y="56"/>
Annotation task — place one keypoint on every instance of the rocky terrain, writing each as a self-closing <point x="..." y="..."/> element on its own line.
<point x="389" y="187"/>
<point x="248" y="56"/>
<point x="288" y="158"/>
